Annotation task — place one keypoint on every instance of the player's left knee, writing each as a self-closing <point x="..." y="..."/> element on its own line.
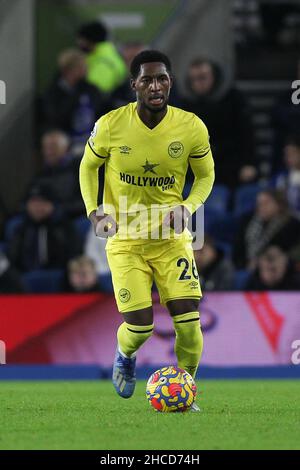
<point x="181" y="306"/>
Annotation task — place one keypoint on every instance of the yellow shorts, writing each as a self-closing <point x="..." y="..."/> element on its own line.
<point x="170" y="263"/>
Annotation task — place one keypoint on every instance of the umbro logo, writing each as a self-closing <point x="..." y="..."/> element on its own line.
<point x="125" y="150"/>
<point x="193" y="285"/>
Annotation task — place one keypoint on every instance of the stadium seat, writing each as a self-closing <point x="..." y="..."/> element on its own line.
<point x="225" y="247"/>
<point x="43" y="281"/>
<point x="245" y="198"/>
<point x="82" y="225"/>
<point x="210" y="218"/>
<point x="105" y="282"/>
<point x="222" y="227"/>
<point x="11" y="226"/>
<point x="2" y="247"/>
<point x="218" y="199"/>
<point x="186" y="190"/>
<point x="241" y="278"/>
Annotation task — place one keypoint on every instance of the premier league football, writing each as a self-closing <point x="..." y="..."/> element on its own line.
<point x="171" y="389"/>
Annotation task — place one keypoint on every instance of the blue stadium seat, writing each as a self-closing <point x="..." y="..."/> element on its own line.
<point x="186" y="190"/>
<point x="245" y="198"/>
<point x="241" y="278"/>
<point x="2" y="247"/>
<point x="43" y="281"/>
<point x="225" y="247"/>
<point x="82" y="225"/>
<point x="211" y="216"/>
<point x="11" y="226"/>
<point x="222" y="227"/>
<point x="218" y="199"/>
<point x="105" y="282"/>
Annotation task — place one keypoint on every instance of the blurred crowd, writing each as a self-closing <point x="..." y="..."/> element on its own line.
<point x="252" y="227"/>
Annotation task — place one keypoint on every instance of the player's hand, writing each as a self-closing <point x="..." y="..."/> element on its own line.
<point x="177" y="219"/>
<point x="104" y="225"/>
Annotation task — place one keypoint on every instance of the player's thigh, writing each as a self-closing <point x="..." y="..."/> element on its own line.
<point x="175" y="272"/>
<point x="132" y="279"/>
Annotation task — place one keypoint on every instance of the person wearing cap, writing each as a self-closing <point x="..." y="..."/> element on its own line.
<point x="106" y="68"/>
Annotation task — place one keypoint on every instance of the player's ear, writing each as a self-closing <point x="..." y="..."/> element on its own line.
<point x="171" y="80"/>
<point x="133" y="84"/>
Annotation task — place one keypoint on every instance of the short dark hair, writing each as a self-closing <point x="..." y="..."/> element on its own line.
<point x="215" y="67"/>
<point x="146" y="57"/>
<point x="278" y="196"/>
<point x="42" y="191"/>
<point x="94" y="31"/>
<point x="199" y="61"/>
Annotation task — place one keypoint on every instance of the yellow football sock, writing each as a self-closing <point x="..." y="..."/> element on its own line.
<point x="131" y="337"/>
<point x="189" y="341"/>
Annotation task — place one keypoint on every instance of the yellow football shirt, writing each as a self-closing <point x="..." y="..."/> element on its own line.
<point x="144" y="166"/>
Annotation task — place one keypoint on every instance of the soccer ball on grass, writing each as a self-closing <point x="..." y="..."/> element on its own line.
<point x="171" y="389"/>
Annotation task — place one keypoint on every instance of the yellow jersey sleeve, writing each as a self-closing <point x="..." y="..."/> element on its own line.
<point x="200" y="139"/>
<point x="202" y="165"/>
<point x="99" y="141"/>
<point x="95" y="153"/>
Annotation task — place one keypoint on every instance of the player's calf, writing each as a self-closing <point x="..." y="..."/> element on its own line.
<point x="130" y="339"/>
<point x="189" y="341"/>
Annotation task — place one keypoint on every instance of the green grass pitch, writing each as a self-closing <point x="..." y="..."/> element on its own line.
<point x="89" y="415"/>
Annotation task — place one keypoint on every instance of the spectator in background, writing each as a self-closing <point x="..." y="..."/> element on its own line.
<point x="270" y="224"/>
<point x="106" y="67"/>
<point x="124" y="94"/>
<point x="71" y="103"/>
<point x="227" y="116"/>
<point x="45" y="239"/>
<point x="82" y="276"/>
<point x="10" y="281"/>
<point x="274" y="272"/>
<point x="216" y="272"/>
<point x="95" y="249"/>
<point x="289" y="180"/>
<point x="60" y="172"/>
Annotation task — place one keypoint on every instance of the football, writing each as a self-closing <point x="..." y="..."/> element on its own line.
<point x="171" y="389"/>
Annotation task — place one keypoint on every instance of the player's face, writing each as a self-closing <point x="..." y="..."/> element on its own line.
<point x="152" y="86"/>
